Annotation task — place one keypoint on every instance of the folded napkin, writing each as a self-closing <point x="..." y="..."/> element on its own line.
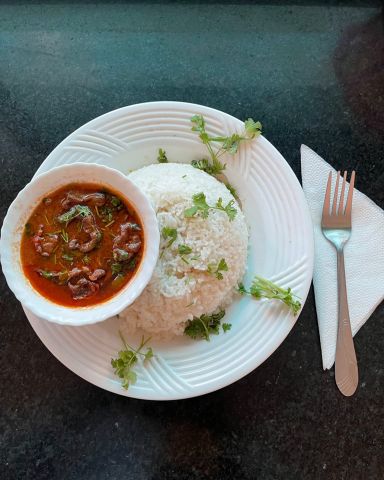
<point x="364" y="256"/>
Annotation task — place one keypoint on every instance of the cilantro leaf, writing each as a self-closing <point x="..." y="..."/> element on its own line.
<point x="47" y="274"/>
<point x="241" y="289"/>
<point x="148" y="354"/>
<point x="116" y="268"/>
<point x="203" y="165"/>
<point x="132" y="263"/>
<point x="216" y="270"/>
<point x="204" y="326"/>
<point x="86" y="259"/>
<point x="184" y="249"/>
<point x="72" y="213"/>
<point x="171" y="233"/>
<point x="190" y="212"/>
<point x="162" y="156"/>
<point x="229" y="209"/>
<point x="226" y="327"/>
<point x="200" y="206"/>
<point x="200" y="201"/>
<point x="231" y="144"/>
<point x="198" y="123"/>
<point x="214" y="168"/>
<point x="59" y="277"/>
<point x="106" y="214"/>
<point x="115" y="201"/>
<point x="252" y="128"/>
<point x="222" y="266"/>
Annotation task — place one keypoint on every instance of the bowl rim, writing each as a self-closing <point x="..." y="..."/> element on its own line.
<point x="17" y="214"/>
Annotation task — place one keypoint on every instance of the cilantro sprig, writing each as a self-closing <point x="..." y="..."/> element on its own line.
<point x="184" y="250"/>
<point x="122" y="266"/>
<point x="262" y="288"/>
<point x="116" y="268"/>
<point x="127" y="359"/>
<point x="72" y="213"/>
<point x="217" y="270"/>
<point x="212" y="168"/>
<point x="115" y="201"/>
<point x="60" y="277"/>
<point x="162" y="156"/>
<point x="171" y="233"/>
<point x="202" y="327"/>
<point x="227" y="144"/>
<point x="86" y="259"/>
<point x="105" y="213"/>
<point x="229" y="209"/>
<point x="201" y="207"/>
<point x="226" y="327"/>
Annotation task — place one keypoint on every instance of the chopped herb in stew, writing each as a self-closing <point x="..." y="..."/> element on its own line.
<point x="81" y="245"/>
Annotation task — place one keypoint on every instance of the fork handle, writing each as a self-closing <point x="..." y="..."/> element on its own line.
<point x="346" y="372"/>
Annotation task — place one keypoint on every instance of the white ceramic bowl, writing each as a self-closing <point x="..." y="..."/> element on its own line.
<point x="18" y="214"/>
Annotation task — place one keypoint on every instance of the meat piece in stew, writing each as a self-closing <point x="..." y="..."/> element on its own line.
<point x="127" y="243"/>
<point x="44" y="244"/>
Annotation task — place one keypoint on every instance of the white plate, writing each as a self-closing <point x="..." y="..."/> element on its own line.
<point x="281" y="249"/>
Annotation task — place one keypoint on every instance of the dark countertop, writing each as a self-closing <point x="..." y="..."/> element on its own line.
<point x="313" y="73"/>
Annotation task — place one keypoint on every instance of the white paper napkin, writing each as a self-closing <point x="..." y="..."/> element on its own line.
<point x="364" y="256"/>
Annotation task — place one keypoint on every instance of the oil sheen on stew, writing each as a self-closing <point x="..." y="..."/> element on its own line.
<point x="81" y="245"/>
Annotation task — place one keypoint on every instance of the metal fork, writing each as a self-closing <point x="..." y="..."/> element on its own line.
<point x="336" y="226"/>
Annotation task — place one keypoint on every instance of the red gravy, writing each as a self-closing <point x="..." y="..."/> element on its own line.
<point x="81" y="245"/>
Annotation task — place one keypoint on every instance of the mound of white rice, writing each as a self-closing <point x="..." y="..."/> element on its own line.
<point x="179" y="291"/>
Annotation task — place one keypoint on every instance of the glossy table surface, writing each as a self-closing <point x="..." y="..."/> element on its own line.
<point x="313" y="73"/>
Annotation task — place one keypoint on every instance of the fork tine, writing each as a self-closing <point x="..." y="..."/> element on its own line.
<point x="327" y="196"/>
<point x="335" y="194"/>
<point x="341" y="204"/>
<point x="348" y="207"/>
